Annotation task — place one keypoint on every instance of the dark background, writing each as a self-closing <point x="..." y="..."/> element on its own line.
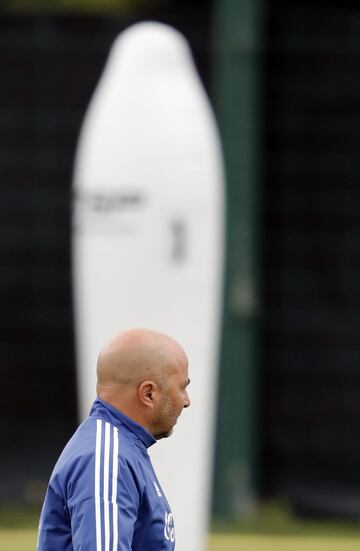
<point x="311" y="255"/>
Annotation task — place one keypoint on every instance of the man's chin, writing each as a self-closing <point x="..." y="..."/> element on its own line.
<point x="164" y="434"/>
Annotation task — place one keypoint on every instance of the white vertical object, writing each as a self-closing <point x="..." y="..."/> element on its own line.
<point x="148" y="241"/>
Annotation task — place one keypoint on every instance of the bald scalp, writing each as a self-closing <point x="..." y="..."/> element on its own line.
<point x="137" y="355"/>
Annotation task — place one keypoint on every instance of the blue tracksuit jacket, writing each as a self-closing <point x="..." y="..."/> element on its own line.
<point x="103" y="494"/>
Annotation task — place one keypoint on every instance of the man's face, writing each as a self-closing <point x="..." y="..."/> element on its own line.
<point x="174" y="399"/>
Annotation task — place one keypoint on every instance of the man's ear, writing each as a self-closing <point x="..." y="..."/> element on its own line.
<point x="147" y="391"/>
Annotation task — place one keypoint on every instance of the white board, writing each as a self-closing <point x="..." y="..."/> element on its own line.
<point x="148" y="241"/>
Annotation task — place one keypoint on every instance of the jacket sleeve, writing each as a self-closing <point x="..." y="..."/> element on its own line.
<point x="54" y="528"/>
<point x="106" y="518"/>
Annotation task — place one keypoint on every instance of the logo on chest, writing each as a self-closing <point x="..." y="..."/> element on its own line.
<point x="169" y="528"/>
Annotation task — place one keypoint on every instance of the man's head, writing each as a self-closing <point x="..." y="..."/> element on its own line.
<point x="144" y="374"/>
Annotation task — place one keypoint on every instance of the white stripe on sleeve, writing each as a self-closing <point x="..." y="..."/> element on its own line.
<point x="97" y="484"/>
<point x="114" y="488"/>
<point x="106" y="487"/>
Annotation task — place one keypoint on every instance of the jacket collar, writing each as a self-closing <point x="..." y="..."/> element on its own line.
<point x="117" y="417"/>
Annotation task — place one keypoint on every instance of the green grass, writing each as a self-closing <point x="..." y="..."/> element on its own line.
<point x="273" y="528"/>
<point x="246" y="542"/>
<point x="18" y="540"/>
<point x="25" y="540"/>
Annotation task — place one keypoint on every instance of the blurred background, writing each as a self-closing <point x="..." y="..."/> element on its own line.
<point x="283" y="77"/>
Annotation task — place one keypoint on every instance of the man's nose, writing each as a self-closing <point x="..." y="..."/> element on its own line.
<point x="187" y="401"/>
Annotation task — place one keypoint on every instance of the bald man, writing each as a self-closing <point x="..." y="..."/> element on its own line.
<point x="103" y="494"/>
